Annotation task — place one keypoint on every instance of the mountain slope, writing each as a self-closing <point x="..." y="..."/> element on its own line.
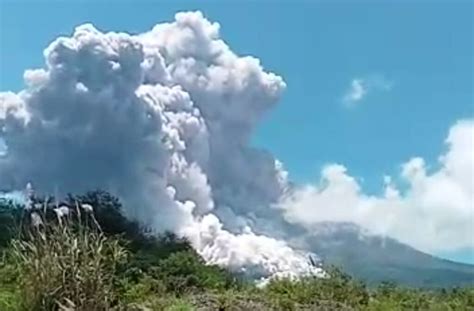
<point x="376" y="259"/>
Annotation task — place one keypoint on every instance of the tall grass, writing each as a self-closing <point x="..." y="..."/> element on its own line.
<point x="63" y="260"/>
<point x="66" y="264"/>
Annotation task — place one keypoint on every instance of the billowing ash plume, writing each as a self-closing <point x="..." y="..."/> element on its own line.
<point x="162" y="119"/>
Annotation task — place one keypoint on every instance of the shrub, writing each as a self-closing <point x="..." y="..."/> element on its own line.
<point x="9" y="293"/>
<point x="186" y="271"/>
<point x="338" y="287"/>
<point x="104" y="261"/>
<point x="10" y="215"/>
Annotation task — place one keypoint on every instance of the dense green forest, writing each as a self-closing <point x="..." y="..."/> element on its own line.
<point x="90" y="258"/>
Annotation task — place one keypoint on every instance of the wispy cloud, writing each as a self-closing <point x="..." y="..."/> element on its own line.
<point x="356" y="92"/>
<point x="360" y="88"/>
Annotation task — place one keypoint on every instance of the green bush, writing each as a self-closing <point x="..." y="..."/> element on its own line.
<point x="9" y="291"/>
<point x="104" y="261"/>
<point x="186" y="271"/>
<point x="337" y="287"/>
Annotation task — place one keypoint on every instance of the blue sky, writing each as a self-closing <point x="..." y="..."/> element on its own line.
<point x="415" y="60"/>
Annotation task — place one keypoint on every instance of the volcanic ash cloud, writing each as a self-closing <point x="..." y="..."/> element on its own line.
<point x="163" y="119"/>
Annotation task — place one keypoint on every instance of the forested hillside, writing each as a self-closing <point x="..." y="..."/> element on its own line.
<point x="83" y="254"/>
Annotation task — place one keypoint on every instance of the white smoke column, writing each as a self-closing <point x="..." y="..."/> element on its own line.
<point x="162" y="119"/>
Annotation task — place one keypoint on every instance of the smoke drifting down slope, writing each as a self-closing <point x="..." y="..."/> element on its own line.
<point x="163" y="119"/>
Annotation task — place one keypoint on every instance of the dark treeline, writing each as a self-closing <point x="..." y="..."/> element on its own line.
<point x="83" y="254"/>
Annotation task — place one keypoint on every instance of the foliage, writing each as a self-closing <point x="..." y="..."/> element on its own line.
<point x="338" y="287"/>
<point x="66" y="266"/>
<point x="185" y="270"/>
<point x="10" y="215"/>
<point x="104" y="261"/>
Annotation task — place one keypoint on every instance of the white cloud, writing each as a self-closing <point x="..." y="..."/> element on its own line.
<point x="435" y="213"/>
<point x="360" y="88"/>
<point x="356" y="92"/>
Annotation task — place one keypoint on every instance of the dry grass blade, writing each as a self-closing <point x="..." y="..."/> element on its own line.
<point x="67" y="265"/>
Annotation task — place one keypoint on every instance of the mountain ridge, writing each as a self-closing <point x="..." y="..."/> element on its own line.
<point x="376" y="259"/>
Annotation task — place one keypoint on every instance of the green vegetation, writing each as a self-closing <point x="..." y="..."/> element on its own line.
<point x="98" y="260"/>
